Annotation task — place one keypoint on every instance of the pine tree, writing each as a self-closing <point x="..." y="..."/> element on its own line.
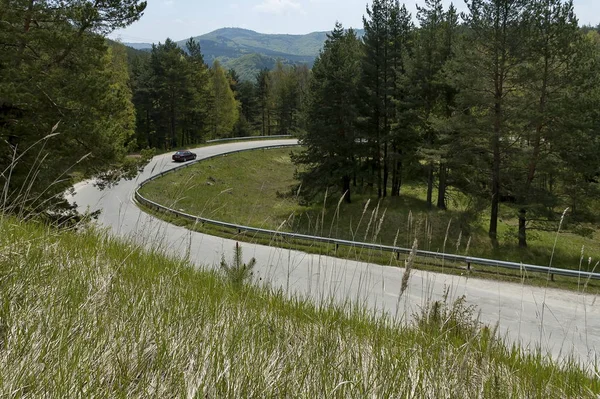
<point x="172" y="97"/>
<point x="141" y="86"/>
<point x="196" y="105"/>
<point x="331" y="140"/>
<point x="248" y="105"/>
<point x="376" y="72"/>
<point x="58" y="76"/>
<point x="234" y="80"/>
<point x="402" y="138"/>
<point x="264" y="96"/>
<point x="117" y="103"/>
<point x="575" y="165"/>
<point x="224" y="112"/>
<point x="553" y="39"/>
<point x="429" y="61"/>
<point x="385" y="101"/>
<point x="286" y="97"/>
<point x="449" y="157"/>
<point x="490" y="83"/>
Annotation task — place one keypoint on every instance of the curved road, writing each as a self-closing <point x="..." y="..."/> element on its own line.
<point x="559" y="322"/>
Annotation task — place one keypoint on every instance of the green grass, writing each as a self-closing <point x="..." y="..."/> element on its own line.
<point x="85" y="315"/>
<point x="246" y="188"/>
<point x="387" y="258"/>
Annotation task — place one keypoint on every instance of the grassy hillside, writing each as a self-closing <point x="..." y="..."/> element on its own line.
<point x="247" y="188"/>
<point x="84" y="315"/>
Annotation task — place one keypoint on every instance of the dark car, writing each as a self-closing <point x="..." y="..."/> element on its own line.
<point x="182" y="156"/>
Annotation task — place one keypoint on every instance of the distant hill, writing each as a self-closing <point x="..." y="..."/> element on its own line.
<point x="139" y="46"/>
<point x="247" y="52"/>
<point x="248" y="65"/>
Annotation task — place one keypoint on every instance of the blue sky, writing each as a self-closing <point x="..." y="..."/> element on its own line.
<point x="181" y="19"/>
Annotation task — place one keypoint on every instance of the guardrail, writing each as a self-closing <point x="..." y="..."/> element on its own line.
<point x="467" y="260"/>
<point x="280" y="136"/>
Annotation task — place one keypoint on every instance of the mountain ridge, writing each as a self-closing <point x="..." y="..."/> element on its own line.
<point x="235" y="48"/>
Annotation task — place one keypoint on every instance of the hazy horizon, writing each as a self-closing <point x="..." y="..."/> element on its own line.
<point x="182" y="19"/>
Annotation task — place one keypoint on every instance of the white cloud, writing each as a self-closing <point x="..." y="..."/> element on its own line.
<point x="279" y="7"/>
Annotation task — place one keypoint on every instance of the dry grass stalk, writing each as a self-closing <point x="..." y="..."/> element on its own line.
<point x="408" y="267"/>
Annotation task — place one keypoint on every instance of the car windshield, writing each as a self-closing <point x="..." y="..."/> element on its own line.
<point x="181" y="152"/>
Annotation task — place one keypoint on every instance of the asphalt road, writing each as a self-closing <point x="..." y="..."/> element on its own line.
<point x="559" y="322"/>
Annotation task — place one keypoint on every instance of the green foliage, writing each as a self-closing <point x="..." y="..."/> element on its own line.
<point x="499" y="108"/>
<point x="224" y="111"/>
<point x="264" y="99"/>
<point x="433" y="95"/>
<point x="331" y="143"/>
<point x="386" y="115"/>
<point x="454" y="320"/>
<point x="237" y="273"/>
<point x="65" y="102"/>
<point x="172" y="96"/>
<point x="288" y="86"/>
<point x="246" y="95"/>
<point x="249" y="65"/>
<point x="517" y="77"/>
<point x="489" y="82"/>
<point x="180" y="101"/>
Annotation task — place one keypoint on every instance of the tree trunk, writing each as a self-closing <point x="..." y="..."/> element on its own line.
<point x="386" y="171"/>
<point x="523" y="228"/>
<point x="378" y="167"/>
<point x="397" y="178"/>
<point x="493" y="230"/>
<point x="394" y="173"/>
<point x="537" y="139"/>
<point x="441" y="200"/>
<point x="172" y="126"/>
<point x="346" y="188"/>
<point x="372" y="166"/>
<point x="263" y="121"/>
<point x="429" y="184"/>
<point x="148" y="136"/>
